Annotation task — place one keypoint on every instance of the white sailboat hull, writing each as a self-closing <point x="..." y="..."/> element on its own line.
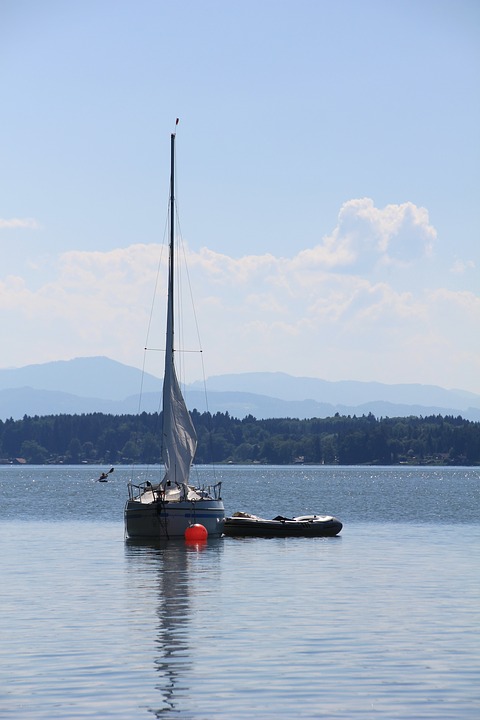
<point x="169" y="520"/>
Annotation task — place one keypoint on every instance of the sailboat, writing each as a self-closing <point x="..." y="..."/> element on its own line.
<point x="166" y="509"/>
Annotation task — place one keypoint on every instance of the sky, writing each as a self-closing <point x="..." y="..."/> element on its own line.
<point x="328" y="183"/>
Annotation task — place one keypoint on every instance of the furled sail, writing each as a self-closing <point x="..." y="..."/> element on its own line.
<point x="179" y="436"/>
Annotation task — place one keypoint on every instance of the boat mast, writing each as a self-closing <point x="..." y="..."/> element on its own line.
<point x="172" y="246"/>
<point x="179" y="439"/>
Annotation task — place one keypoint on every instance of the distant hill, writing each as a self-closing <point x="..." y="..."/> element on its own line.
<point x="98" y="384"/>
<point x="93" y="377"/>
<point x="346" y="392"/>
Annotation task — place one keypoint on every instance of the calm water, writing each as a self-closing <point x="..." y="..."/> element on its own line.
<point x="380" y="622"/>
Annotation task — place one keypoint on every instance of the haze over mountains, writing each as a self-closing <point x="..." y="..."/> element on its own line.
<point x="99" y="384"/>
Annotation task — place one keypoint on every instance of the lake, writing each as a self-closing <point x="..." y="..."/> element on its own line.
<point x="379" y="622"/>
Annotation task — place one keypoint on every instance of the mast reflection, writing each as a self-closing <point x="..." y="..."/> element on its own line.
<point x="176" y="568"/>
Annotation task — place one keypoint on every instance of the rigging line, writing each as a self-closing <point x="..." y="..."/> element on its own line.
<point x="145" y="349"/>
<point x="179" y="283"/>
<point x="139" y="408"/>
<point x="181" y="246"/>
<point x="186" y="274"/>
<point x="180" y="296"/>
<point x="197" y="329"/>
<point x="210" y="423"/>
<point x="137" y="434"/>
<point x="157" y="280"/>
<point x="182" y="280"/>
<point x="180" y="273"/>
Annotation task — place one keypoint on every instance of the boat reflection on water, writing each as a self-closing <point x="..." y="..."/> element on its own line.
<point x="171" y="578"/>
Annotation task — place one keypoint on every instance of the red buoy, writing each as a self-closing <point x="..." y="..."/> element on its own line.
<point x="196" y="533"/>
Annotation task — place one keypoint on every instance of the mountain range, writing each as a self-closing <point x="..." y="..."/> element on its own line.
<point x="99" y="384"/>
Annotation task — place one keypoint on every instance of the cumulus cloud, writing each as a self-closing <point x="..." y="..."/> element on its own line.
<point x="318" y="313"/>
<point x="366" y="236"/>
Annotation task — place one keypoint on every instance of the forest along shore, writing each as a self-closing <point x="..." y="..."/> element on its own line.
<point x="343" y="440"/>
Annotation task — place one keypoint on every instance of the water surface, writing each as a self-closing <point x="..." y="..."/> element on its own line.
<point x="381" y="621"/>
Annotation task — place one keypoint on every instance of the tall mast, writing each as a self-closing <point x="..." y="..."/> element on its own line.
<point x="179" y="439"/>
<point x="172" y="244"/>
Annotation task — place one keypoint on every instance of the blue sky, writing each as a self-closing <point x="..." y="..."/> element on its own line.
<point x="328" y="182"/>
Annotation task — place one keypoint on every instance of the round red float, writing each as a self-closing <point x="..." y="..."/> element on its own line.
<point x="196" y="533"/>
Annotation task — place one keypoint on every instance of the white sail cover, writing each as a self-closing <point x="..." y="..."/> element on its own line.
<point x="179" y="436"/>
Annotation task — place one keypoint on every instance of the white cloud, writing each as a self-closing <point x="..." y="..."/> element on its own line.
<point x="300" y="315"/>
<point x="460" y="267"/>
<point x="15" y="223"/>
<point x="366" y="236"/>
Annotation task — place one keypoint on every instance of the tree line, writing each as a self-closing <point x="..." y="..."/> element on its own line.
<point x="344" y="440"/>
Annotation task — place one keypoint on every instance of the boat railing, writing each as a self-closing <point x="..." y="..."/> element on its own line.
<point x="135" y="490"/>
<point x="207" y="491"/>
<point x="212" y="491"/>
